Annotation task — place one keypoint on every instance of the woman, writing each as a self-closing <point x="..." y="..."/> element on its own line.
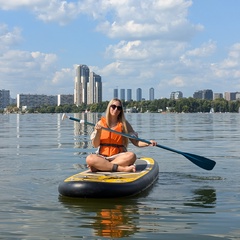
<point x="112" y="154"/>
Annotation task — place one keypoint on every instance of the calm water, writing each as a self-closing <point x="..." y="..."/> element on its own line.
<point x="38" y="151"/>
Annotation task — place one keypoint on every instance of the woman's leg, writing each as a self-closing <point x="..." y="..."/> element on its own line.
<point x="124" y="161"/>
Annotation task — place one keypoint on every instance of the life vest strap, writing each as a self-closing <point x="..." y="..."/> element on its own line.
<point x="112" y="145"/>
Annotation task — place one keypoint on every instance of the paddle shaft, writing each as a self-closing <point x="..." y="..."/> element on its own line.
<point x="200" y="161"/>
<point x="125" y="135"/>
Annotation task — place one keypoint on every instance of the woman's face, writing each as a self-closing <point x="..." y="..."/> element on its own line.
<point x="115" y="108"/>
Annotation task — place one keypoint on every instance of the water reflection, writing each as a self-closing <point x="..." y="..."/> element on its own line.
<point x="113" y="218"/>
<point x="113" y="222"/>
<point x="203" y="197"/>
<point x="82" y="132"/>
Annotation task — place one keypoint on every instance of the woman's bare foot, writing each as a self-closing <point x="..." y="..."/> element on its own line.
<point x="130" y="168"/>
<point x="92" y="169"/>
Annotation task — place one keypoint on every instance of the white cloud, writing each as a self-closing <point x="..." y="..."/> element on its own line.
<point x="9" y="38"/>
<point x="147" y="20"/>
<point x="177" y="82"/>
<point x="15" y="4"/>
<point x="58" y="11"/>
<point x="128" y="19"/>
<point x="229" y="67"/>
<point x="27" y="67"/>
<point x="205" y="50"/>
<point x="149" y="42"/>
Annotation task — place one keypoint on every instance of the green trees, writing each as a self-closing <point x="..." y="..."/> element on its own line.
<point x="186" y="105"/>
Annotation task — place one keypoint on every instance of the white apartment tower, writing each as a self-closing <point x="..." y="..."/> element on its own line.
<point x="87" y="87"/>
<point x="94" y="89"/>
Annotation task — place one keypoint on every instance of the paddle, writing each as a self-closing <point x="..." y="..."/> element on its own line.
<point x="200" y="161"/>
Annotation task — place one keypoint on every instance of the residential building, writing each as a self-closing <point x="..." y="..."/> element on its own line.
<point x="80" y="88"/>
<point x="217" y="95"/>
<point x="98" y="89"/>
<point x="230" y="96"/>
<point x="204" y="94"/>
<point x="176" y="95"/>
<point x="129" y="95"/>
<point x="208" y="94"/>
<point x="237" y="95"/>
<point x="88" y="86"/>
<point x="139" y="94"/>
<point x="4" y="98"/>
<point x="122" y="94"/>
<point x="94" y="92"/>
<point x="35" y="100"/>
<point x="65" y="99"/>
<point x="151" y="94"/>
<point x="115" y="93"/>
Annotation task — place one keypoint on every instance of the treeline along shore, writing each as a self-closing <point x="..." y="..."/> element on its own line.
<point x="183" y="105"/>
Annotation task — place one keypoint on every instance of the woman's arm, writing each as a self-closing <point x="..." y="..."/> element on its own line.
<point x="136" y="142"/>
<point x="95" y="136"/>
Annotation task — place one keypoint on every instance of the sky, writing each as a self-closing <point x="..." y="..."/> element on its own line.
<point x="170" y="45"/>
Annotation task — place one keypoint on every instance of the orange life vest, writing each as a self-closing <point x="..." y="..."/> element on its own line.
<point x="111" y="143"/>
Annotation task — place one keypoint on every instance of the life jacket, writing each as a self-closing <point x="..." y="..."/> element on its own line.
<point x="111" y="143"/>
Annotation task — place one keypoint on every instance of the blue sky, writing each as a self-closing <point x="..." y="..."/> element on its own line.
<point x="170" y="45"/>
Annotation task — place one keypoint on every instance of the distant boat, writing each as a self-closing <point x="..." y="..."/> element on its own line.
<point x="212" y="110"/>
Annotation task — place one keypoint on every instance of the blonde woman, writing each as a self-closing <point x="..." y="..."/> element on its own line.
<point x="112" y="154"/>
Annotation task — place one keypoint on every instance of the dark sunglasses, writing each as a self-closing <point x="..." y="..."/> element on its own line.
<point x="119" y="108"/>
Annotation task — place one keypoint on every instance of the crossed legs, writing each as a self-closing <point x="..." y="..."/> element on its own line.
<point x="124" y="162"/>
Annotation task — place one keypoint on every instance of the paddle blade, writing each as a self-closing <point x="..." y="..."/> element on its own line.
<point x="200" y="161"/>
<point x="64" y="116"/>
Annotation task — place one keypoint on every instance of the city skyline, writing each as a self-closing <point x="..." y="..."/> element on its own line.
<point x="128" y="96"/>
<point x="34" y="100"/>
<point x="174" y="48"/>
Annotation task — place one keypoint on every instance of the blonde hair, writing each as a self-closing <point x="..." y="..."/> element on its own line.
<point x="121" y="118"/>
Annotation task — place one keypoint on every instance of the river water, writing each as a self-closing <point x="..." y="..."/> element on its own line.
<point x="38" y="151"/>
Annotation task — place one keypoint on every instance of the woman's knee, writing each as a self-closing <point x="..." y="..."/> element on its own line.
<point x="132" y="156"/>
<point x="90" y="159"/>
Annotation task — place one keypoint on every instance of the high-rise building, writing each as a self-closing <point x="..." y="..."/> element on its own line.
<point x="151" y="94"/>
<point x="115" y="93"/>
<point x="98" y="89"/>
<point x="122" y="94"/>
<point x="229" y="96"/>
<point x="88" y="86"/>
<point x="208" y="94"/>
<point x="129" y="95"/>
<point x="237" y="95"/>
<point x="139" y="94"/>
<point x="217" y="95"/>
<point x="176" y="95"/>
<point x="94" y="89"/>
<point x="4" y="98"/>
<point x="204" y="94"/>
<point x="80" y="88"/>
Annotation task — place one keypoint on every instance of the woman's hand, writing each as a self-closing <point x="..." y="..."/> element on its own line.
<point x="98" y="127"/>
<point x="153" y="143"/>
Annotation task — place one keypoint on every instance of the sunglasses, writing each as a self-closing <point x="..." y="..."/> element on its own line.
<point x="119" y="108"/>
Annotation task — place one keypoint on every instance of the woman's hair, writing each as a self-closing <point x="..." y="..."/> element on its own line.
<point x="121" y="118"/>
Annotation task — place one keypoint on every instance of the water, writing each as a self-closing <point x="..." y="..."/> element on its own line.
<point x="38" y="151"/>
